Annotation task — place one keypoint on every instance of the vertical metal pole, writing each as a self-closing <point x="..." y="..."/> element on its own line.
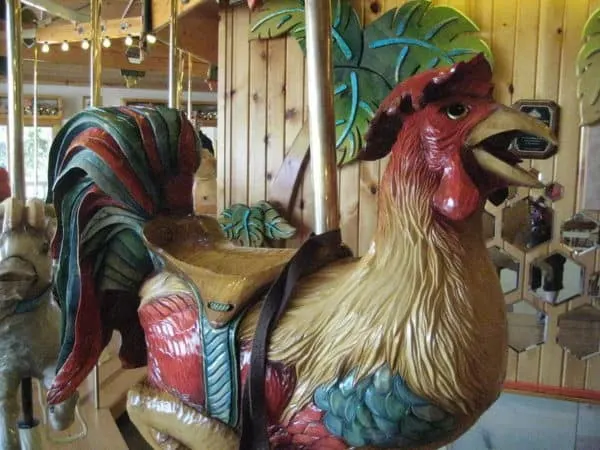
<point x="96" y="100"/>
<point x="95" y="54"/>
<point x="15" y="99"/>
<point x="320" y="114"/>
<point x="189" y="87"/>
<point x="35" y="120"/>
<point x="180" y="77"/>
<point x="173" y="100"/>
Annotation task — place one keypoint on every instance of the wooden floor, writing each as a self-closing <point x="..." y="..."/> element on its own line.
<point x="103" y="433"/>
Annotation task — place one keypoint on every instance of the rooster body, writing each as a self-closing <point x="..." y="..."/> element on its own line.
<point x="402" y="348"/>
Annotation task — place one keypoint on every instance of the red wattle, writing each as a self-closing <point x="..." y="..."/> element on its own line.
<point x="456" y="197"/>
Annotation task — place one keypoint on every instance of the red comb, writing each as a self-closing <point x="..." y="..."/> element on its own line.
<point x="473" y="76"/>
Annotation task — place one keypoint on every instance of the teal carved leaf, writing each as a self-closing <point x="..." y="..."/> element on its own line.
<point x="277" y="18"/>
<point x="418" y="37"/>
<point x="588" y="72"/>
<point x="244" y="225"/>
<point x="281" y="17"/>
<point x="346" y="34"/>
<point x="358" y="93"/>
<point x="276" y="227"/>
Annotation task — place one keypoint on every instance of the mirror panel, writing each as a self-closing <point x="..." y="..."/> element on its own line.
<point x="589" y="181"/>
<point x="580" y="233"/>
<point x="556" y="278"/>
<point x="526" y="326"/>
<point x="579" y="331"/>
<point x="507" y="269"/>
<point x="527" y="223"/>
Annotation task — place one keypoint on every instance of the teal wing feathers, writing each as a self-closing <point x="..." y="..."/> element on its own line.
<point x="380" y="410"/>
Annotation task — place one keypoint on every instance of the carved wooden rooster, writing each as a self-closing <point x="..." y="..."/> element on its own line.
<point x="403" y="348"/>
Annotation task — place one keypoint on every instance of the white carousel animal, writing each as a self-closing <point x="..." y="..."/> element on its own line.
<point x="30" y="320"/>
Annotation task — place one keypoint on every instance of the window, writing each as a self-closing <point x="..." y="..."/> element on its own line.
<point x="36" y="162"/>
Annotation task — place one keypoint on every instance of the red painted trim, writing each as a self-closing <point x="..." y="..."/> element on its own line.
<point x="553" y="391"/>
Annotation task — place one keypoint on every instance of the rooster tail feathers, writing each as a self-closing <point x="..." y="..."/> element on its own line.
<point x="110" y="170"/>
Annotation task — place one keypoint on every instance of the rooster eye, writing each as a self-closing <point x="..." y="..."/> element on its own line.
<point x="457" y="111"/>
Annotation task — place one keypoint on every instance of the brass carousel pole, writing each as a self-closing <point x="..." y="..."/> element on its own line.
<point x="173" y="100"/>
<point x="320" y="114"/>
<point x="95" y="54"/>
<point x="96" y="100"/>
<point x="35" y="118"/>
<point x="27" y="436"/>
<point x="15" y="99"/>
<point x="189" y="87"/>
<point x="180" y="77"/>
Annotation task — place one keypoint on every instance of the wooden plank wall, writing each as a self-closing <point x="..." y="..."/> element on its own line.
<point x="262" y="105"/>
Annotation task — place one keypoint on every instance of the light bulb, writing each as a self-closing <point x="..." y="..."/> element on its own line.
<point x="45" y="47"/>
<point x="150" y="38"/>
<point x="106" y="42"/>
<point x="85" y="44"/>
<point x="64" y="46"/>
<point x="129" y="40"/>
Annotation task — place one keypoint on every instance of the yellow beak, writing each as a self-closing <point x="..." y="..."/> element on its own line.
<point x="505" y="120"/>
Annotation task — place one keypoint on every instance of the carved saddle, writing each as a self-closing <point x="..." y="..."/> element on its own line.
<point x="226" y="280"/>
<point x="227" y="277"/>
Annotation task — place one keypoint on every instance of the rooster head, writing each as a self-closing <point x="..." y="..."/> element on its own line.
<point x="446" y="134"/>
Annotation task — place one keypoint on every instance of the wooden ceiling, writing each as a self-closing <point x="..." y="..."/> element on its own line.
<point x="197" y="35"/>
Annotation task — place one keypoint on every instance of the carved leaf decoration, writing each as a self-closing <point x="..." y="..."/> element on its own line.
<point x="358" y="93"/>
<point x="369" y="63"/>
<point x="282" y="17"/>
<point x="277" y="18"/>
<point x="346" y="34"/>
<point x="276" y="227"/>
<point x="244" y="225"/>
<point x="588" y="71"/>
<point x="418" y="37"/>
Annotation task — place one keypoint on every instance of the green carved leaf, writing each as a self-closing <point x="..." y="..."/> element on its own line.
<point x="588" y="71"/>
<point x="346" y="34"/>
<point x="418" y="37"/>
<point x="358" y="93"/>
<point x="281" y="17"/>
<point x="277" y="18"/>
<point x="276" y="227"/>
<point x="244" y="225"/>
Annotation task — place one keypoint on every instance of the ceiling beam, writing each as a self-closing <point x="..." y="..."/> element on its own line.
<point x="194" y="15"/>
<point x="161" y="10"/>
<point x="113" y="28"/>
<point x="114" y="57"/>
<point x="54" y="9"/>
<point x="197" y="34"/>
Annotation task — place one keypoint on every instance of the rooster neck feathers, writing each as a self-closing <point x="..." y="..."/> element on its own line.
<point x="408" y="303"/>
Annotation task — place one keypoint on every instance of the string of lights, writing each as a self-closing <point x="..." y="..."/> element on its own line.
<point x="106" y="43"/>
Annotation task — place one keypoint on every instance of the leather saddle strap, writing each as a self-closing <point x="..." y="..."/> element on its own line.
<point x="316" y="252"/>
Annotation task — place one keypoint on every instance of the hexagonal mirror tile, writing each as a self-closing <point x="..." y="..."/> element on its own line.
<point x="579" y="331"/>
<point x="489" y="224"/>
<point x="527" y="223"/>
<point x="580" y="233"/>
<point x="526" y="326"/>
<point x="556" y="278"/>
<point x="507" y="269"/>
